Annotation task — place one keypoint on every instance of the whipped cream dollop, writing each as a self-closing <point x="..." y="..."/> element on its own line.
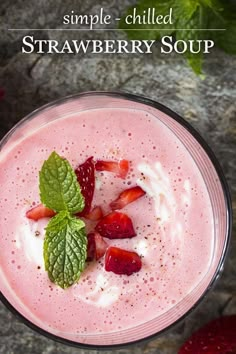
<point x="156" y="183"/>
<point x="103" y="294"/>
<point x="29" y="237"/>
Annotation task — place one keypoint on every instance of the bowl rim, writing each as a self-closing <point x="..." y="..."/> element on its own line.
<point x="225" y="188"/>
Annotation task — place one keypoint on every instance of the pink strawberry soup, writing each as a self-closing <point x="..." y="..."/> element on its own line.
<point x="173" y="221"/>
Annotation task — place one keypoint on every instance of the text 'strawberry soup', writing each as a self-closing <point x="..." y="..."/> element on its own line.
<point x="181" y="222"/>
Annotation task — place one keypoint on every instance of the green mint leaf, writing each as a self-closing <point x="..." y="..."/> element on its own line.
<point x="229" y="9"/>
<point x="188" y="32"/>
<point x="65" y="249"/>
<point x="195" y="62"/>
<point x="226" y="40"/>
<point x="189" y="14"/>
<point x="226" y="19"/>
<point x="59" y="189"/>
<point x="184" y="9"/>
<point x="212" y="4"/>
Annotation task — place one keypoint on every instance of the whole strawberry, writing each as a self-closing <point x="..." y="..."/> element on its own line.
<point x="216" y="337"/>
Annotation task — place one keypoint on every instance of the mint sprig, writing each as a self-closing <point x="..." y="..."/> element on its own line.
<point x="65" y="243"/>
<point x="189" y="14"/>
<point x="59" y="188"/>
<point x="65" y="249"/>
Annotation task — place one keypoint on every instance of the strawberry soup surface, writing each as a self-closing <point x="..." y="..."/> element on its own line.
<point x="173" y="223"/>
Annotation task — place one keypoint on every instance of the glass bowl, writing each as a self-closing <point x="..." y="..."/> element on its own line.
<point x="214" y="180"/>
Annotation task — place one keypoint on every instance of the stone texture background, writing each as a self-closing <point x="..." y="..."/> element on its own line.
<point x="209" y="105"/>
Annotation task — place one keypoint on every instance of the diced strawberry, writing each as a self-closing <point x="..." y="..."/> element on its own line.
<point x="96" y="246"/>
<point x="127" y="196"/>
<point x="91" y="247"/>
<point x="217" y="337"/>
<point x="120" y="261"/>
<point x="95" y="214"/>
<point x="39" y="212"/>
<point x="120" y="168"/>
<point x="116" y="225"/>
<point x="101" y="246"/>
<point x="86" y="177"/>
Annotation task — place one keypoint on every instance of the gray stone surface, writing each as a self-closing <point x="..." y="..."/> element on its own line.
<point x="209" y="105"/>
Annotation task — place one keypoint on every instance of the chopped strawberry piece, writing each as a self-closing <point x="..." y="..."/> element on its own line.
<point x="86" y="177"/>
<point x="101" y="246"/>
<point x="217" y="337"/>
<point x="95" y="214"/>
<point x="96" y="246"/>
<point x="120" y="168"/>
<point x="127" y="196"/>
<point x="91" y="247"/>
<point x="39" y="212"/>
<point x="120" y="261"/>
<point x="116" y="225"/>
